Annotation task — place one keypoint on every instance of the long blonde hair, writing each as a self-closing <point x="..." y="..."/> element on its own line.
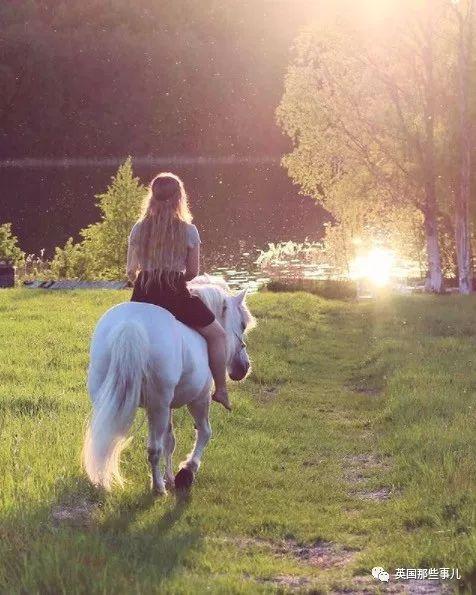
<point x="161" y="237"/>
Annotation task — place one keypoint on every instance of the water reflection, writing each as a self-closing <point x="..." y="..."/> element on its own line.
<point x="239" y="269"/>
<point x="254" y="268"/>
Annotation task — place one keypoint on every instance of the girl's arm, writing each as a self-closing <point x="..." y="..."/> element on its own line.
<point x="193" y="262"/>
<point x="132" y="262"/>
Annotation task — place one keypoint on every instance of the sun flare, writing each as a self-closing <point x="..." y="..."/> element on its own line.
<point x="375" y="266"/>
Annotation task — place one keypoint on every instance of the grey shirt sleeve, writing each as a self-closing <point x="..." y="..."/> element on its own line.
<point x="133" y="235"/>
<point x="132" y="260"/>
<point x="193" y="237"/>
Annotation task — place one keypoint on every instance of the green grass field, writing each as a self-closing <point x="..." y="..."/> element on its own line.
<point x="352" y="445"/>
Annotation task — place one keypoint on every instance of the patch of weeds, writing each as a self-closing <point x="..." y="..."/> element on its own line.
<point x="31" y="407"/>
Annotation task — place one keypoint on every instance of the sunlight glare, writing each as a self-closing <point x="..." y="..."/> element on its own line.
<point x="375" y="266"/>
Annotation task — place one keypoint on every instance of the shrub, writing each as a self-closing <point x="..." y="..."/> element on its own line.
<point x="10" y="251"/>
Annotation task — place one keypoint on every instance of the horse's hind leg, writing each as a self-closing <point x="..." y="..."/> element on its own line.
<point x="199" y="411"/>
<point x="169" y="451"/>
<point x="159" y="416"/>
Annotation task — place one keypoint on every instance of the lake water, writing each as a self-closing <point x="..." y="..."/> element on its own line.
<point x="238" y="207"/>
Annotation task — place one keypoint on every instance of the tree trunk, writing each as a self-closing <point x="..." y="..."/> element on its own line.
<point x="462" y="237"/>
<point x="434" y="280"/>
<point x="462" y="224"/>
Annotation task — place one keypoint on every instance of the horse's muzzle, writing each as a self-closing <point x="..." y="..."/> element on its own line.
<point x="238" y="372"/>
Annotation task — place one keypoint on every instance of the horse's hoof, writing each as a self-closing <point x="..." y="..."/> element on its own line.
<point x="184" y="479"/>
<point x="159" y="492"/>
<point x="170" y="483"/>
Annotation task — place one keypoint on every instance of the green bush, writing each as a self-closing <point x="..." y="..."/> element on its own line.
<point x="10" y="251"/>
<point x="70" y="262"/>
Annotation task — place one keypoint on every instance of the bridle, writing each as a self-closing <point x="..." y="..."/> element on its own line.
<point x="240" y="341"/>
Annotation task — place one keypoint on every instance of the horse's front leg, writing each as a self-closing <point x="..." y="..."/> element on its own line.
<point x="188" y="468"/>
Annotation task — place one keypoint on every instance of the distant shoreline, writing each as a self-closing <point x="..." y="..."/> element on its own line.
<point x="141" y="160"/>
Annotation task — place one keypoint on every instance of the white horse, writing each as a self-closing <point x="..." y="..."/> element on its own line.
<point x="142" y="356"/>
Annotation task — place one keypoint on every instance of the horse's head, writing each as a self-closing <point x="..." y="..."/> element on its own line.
<point x="233" y="314"/>
<point x="237" y="321"/>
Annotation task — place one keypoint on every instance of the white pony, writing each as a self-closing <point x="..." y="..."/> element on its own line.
<point x="142" y="356"/>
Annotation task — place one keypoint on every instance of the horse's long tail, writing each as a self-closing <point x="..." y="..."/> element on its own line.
<point x="116" y="403"/>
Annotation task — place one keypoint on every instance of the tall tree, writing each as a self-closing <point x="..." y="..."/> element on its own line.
<point x="463" y="11"/>
<point x="368" y="97"/>
<point x="426" y="150"/>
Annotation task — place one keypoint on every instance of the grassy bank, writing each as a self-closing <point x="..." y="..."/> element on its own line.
<point x="352" y="445"/>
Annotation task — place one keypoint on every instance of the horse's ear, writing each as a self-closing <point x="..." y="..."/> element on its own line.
<point x="239" y="297"/>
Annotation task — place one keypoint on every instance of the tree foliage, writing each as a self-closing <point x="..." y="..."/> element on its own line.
<point x="10" y="251"/>
<point x="70" y="262"/>
<point x="367" y="108"/>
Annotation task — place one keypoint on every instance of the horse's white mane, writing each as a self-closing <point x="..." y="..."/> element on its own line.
<point x="205" y="279"/>
<point x="214" y="291"/>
